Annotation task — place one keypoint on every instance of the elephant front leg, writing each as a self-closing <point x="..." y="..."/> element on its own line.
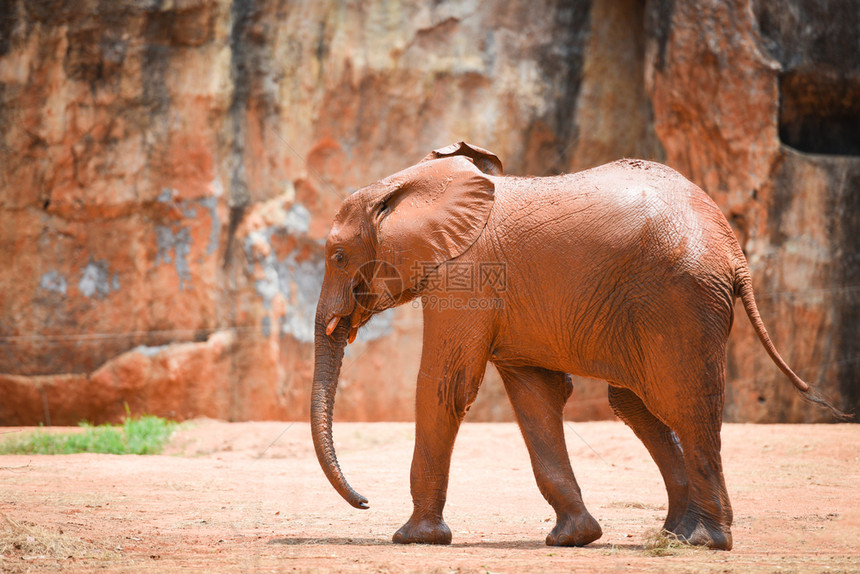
<point x="442" y="399"/>
<point x="435" y="431"/>
<point x="538" y="398"/>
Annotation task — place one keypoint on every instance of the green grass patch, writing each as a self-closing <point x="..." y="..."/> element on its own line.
<point x="140" y="435"/>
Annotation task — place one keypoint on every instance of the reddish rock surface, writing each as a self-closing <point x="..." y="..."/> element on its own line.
<point x="756" y="104"/>
<point x="170" y="170"/>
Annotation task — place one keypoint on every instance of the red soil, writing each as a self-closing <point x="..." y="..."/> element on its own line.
<point x="251" y="497"/>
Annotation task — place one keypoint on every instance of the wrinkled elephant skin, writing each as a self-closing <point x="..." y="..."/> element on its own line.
<point x="626" y="272"/>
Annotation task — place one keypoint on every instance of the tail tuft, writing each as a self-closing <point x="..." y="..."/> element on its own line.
<point x="743" y="289"/>
<point x="814" y="397"/>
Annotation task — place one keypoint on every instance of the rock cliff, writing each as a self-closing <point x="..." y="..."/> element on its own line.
<point x="170" y="169"/>
<point x="759" y="103"/>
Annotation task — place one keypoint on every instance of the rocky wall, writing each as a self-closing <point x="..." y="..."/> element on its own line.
<point x="759" y="103"/>
<point x="170" y="170"/>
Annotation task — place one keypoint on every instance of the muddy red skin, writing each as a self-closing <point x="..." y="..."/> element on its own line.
<point x="627" y="272"/>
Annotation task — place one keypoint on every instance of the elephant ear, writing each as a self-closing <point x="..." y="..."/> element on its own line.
<point x="436" y="211"/>
<point x="485" y="160"/>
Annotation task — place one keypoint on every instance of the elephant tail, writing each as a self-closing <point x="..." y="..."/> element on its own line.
<point x="743" y="289"/>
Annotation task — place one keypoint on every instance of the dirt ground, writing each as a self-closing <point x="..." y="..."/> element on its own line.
<point x="251" y="497"/>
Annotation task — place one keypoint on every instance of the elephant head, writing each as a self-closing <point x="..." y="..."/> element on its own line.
<point x="385" y="240"/>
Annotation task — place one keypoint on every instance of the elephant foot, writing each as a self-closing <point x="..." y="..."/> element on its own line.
<point x="698" y="531"/>
<point x="673" y="521"/>
<point x="574" y="530"/>
<point x="423" y="531"/>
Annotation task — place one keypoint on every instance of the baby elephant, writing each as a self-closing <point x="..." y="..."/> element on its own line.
<point x="626" y="272"/>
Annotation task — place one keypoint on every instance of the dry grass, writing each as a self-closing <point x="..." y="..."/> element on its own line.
<point x="659" y="542"/>
<point x="635" y="505"/>
<point x="31" y="541"/>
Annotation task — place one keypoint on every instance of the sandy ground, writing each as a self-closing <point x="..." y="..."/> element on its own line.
<point x="250" y="497"/>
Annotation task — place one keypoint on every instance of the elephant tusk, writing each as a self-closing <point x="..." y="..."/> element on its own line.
<point x="332" y="325"/>
<point x="352" y="335"/>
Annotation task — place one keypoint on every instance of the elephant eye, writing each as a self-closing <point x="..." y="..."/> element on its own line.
<point x="339" y="258"/>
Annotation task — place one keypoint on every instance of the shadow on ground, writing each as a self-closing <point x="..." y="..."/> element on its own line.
<point x="504" y="545"/>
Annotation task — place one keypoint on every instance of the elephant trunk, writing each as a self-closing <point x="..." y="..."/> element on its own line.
<point x="328" y="356"/>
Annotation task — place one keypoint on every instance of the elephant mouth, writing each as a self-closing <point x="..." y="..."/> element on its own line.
<point x="377" y="287"/>
<point x="359" y="316"/>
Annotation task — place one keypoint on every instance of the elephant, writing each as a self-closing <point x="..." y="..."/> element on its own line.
<point x="627" y="272"/>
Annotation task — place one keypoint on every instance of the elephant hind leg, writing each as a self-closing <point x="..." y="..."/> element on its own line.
<point x="663" y="445"/>
<point x="708" y="519"/>
<point x="538" y="398"/>
<point x="695" y="414"/>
